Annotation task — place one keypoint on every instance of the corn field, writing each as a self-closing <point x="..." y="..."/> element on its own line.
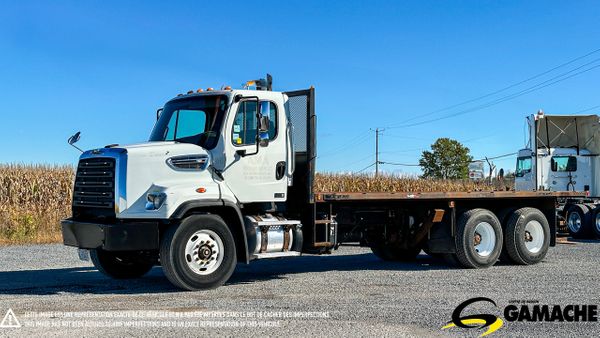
<point x="331" y="182"/>
<point x="34" y="198"/>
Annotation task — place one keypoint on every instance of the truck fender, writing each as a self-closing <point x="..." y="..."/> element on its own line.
<point x="229" y="212"/>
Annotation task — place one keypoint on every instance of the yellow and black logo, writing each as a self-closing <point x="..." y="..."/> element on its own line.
<point x="477" y="321"/>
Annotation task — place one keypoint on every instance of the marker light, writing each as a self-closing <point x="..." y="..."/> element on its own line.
<point x="209" y="89"/>
<point x="200" y="90"/>
<point x="190" y="92"/>
<point x="227" y="88"/>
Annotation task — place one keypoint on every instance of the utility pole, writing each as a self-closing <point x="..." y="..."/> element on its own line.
<point x="376" y="152"/>
<point x="377" y="162"/>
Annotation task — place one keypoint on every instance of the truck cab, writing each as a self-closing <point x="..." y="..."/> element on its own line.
<point x="554" y="169"/>
<point x="223" y="178"/>
<point x="562" y="154"/>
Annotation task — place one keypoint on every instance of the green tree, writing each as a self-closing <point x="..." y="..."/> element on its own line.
<point x="448" y="159"/>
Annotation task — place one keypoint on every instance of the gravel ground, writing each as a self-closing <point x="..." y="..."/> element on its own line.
<point x="348" y="293"/>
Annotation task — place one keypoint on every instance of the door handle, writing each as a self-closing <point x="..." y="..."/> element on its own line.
<point x="280" y="170"/>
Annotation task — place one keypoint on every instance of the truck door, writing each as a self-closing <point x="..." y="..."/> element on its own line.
<point x="525" y="173"/>
<point x="256" y="176"/>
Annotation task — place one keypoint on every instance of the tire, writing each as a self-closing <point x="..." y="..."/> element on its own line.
<point x="591" y="206"/>
<point x="503" y="215"/>
<point x="527" y="236"/>
<point x="579" y="221"/>
<point x="120" y="265"/>
<point x="596" y="223"/>
<point x="484" y="225"/>
<point x="394" y="253"/>
<point x="199" y="253"/>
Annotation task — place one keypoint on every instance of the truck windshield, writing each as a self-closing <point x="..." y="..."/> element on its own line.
<point x="523" y="166"/>
<point x="195" y="120"/>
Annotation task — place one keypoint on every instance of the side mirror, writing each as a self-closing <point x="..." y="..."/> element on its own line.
<point x="75" y="138"/>
<point x="264" y="124"/>
<point x="158" y="112"/>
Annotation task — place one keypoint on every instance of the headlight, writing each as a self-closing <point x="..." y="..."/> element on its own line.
<point x="155" y="200"/>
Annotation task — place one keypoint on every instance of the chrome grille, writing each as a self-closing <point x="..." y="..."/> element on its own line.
<point x="95" y="183"/>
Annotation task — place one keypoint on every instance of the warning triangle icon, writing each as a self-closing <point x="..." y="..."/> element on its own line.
<point x="10" y="320"/>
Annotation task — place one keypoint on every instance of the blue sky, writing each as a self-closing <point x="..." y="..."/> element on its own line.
<point x="104" y="67"/>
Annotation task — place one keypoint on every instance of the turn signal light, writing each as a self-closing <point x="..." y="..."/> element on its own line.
<point x="201" y="190"/>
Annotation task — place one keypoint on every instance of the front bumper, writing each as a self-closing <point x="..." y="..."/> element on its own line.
<point x="111" y="237"/>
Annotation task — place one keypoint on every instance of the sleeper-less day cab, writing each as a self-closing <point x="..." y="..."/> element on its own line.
<point x="227" y="177"/>
<point x="562" y="154"/>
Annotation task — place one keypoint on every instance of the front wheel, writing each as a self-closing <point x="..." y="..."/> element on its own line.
<point x="199" y="253"/>
<point x="121" y="265"/>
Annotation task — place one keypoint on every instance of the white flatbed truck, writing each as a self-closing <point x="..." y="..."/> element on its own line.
<point x="227" y="177"/>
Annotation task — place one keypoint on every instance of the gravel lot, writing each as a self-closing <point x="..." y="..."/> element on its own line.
<point x="348" y="293"/>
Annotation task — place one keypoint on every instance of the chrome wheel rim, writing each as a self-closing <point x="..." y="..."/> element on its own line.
<point x="534" y="236"/>
<point x="204" y="252"/>
<point x="484" y="239"/>
<point x="574" y="222"/>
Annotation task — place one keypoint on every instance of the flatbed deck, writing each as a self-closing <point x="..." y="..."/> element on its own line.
<point x="386" y="196"/>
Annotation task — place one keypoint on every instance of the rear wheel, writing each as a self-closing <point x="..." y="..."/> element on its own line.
<point x="596" y="223"/>
<point x="199" y="253"/>
<point x="121" y="265"/>
<point x="527" y="236"/>
<point x="478" y="239"/>
<point x="390" y="252"/>
<point x="579" y="220"/>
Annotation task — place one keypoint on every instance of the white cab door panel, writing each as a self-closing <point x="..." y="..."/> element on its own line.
<point x="254" y="177"/>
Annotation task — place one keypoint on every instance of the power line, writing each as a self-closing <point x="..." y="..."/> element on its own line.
<point x="500" y="100"/>
<point x="360" y="138"/>
<point x="496" y="157"/>
<point x="359" y="160"/>
<point x="401" y="164"/>
<point x="472" y="161"/>
<point x="502" y="89"/>
<point x="587" y="109"/>
<point x="467" y="141"/>
<point x="365" y="168"/>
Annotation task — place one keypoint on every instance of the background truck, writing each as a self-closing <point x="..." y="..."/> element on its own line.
<point x="562" y="155"/>
<point x="227" y="177"/>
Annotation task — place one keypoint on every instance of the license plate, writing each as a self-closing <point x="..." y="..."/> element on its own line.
<point x="84" y="254"/>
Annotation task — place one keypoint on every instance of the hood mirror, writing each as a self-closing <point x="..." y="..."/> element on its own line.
<point x="74" y="139"/>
